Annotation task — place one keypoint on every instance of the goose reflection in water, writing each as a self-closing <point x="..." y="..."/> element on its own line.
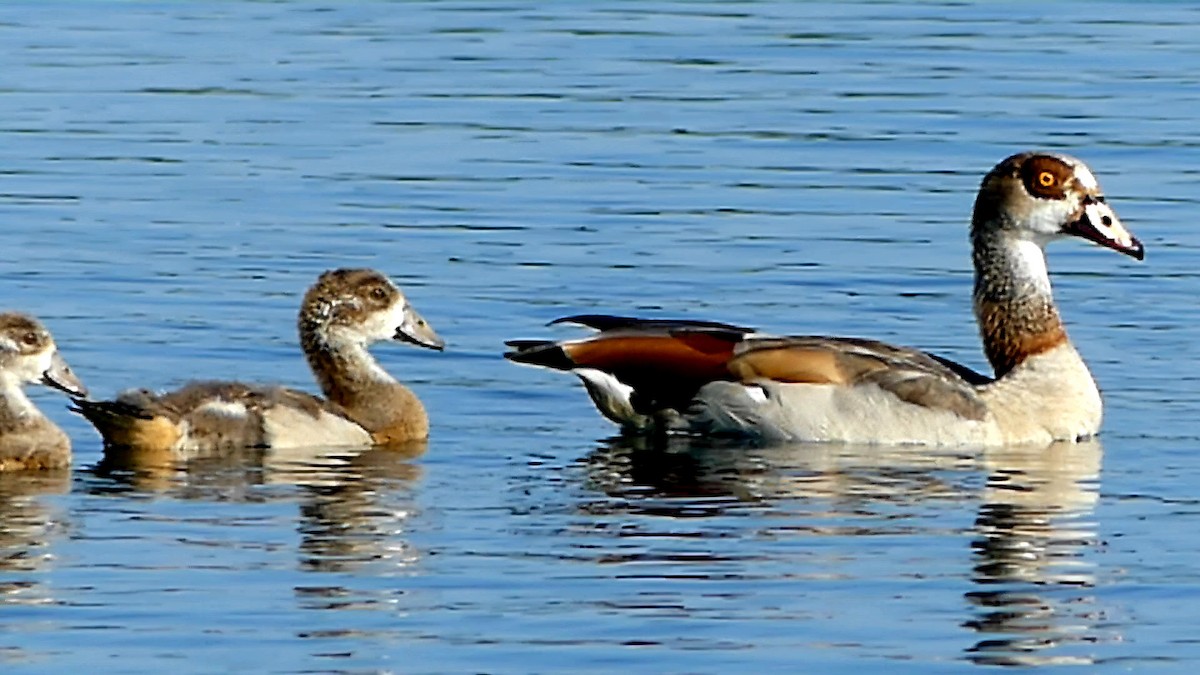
<point x="1032" y="535"/>
<point x="681" y="467"/>
<point x="29" y="527"/>
<point x="353" y="506"/>
<point x="350" y="524"/>
<point x="1031" y="572"/>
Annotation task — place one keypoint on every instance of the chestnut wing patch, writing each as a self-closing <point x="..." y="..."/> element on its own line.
<point x="665" y="368"/>
<point x="912" y="376"/>
<point x="664" y="361"/>
<point x="684" y="354"/>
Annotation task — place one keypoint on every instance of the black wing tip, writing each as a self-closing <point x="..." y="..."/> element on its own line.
<point x="603" y="322"/>
<point x="544" y="353"/>
<point x="94" y="410"/>
<point x="732" y="334"/>
<point x="521" y="345"/>
<point x="971" y="376"/>
<point x="597" y="321"/>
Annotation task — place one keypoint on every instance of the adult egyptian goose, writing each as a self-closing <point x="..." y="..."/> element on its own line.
<point x="705" y="377"/>
<point x="28" y="439"/>
<point x="340" y="316"/>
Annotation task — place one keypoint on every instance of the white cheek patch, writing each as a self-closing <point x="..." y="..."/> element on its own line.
<point x="1047" y="218"/>
<point x="374" y="326"/>
<point x="30" y="368"/>
<point x="381" y="325"/>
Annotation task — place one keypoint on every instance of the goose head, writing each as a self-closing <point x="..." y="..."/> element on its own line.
<point x="361" y="306"/>
<point x="28" y="355"/>
<point x="1043" y="196"/>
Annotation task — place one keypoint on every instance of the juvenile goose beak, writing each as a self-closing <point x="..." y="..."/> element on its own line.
<point x="60" y="376"/>
<point x="413" y="328"/>
<point x="1097" y="222"/>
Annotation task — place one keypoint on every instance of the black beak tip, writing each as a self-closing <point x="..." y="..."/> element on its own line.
<point x="1137" y="250"/>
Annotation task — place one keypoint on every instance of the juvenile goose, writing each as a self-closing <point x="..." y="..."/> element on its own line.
<point x="705" y="377"/>
<point x="341" y="315"/>
<point x="28" y="439"/>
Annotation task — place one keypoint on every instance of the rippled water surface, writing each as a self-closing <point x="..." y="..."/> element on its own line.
<point x="175" y="174"/>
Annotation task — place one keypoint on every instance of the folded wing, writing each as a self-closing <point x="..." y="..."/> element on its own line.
<point x="664" y="363"/>
<point x="912" y="376"/>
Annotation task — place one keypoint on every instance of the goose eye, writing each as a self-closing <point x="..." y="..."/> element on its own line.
<point x="1046" y="177"/>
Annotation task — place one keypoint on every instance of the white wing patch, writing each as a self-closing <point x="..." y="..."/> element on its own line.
<point x="224" y="409"/>
<point x="611" y="396"/>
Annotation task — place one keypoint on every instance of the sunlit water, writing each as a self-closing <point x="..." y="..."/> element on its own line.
<point x="175" y="174"/>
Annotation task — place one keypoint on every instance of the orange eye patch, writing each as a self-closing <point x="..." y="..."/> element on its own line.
<point x="1046" y="176"/>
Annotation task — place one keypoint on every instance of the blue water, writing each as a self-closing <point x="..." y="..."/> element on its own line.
<point x="173" y="176"/>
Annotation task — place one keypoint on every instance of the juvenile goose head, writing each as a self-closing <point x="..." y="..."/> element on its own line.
<point x="341" y="315"/>
<point x="355" y="307"/>
<point x="28" y="355"/>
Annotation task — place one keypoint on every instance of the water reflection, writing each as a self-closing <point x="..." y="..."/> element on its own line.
<point x="352" y="505"/>
<point x="1032" y="535"/>
<point x="346" y="525"/>
<point x="29" y="526"/>
<point x="1031" y="570"/>
<point x="722" y="474"/>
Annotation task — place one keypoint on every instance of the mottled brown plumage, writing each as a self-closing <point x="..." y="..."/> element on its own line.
<point x="28" y="355"/>
<point x="340" y="315"/>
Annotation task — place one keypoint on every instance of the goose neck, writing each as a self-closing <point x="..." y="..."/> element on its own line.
<point x="345" y="369"/>
<point x="1013" y="301"/>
